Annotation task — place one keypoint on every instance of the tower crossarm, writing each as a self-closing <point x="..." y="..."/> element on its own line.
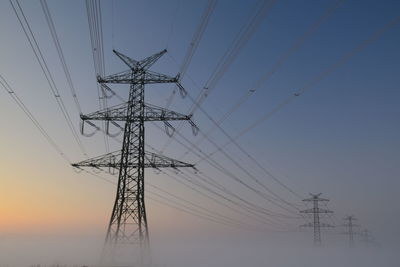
<point x="142" y="65"/>
<point x="149" y="77"/>
<point x="149" y="61"/>
<point x="314" y="210"/>
<point x="320" y="225"/>
<point x="307" y="225"/>
<point x="326" y="225"/>
<point x="151" y="113"/>
<point x="132" y="64"/>
<point x="113" y="160"/>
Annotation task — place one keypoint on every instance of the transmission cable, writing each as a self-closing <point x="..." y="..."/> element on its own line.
<point x="31" y="117"/>
<point x="44" y="67"/>
<point x="56" y="41"/>
<point x="93" y="11"/>
<point x="194" y="43"/>
<point x="310" y="84"/>
<point x="246" y="32"/>
<point x="293" y="48"/>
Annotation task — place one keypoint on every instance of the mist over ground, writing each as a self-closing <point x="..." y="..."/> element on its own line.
<point x="209" y="249"/>
<point x="303" y="97"/>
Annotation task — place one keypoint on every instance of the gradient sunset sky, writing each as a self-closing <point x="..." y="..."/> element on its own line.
<point x="341" y="137"/>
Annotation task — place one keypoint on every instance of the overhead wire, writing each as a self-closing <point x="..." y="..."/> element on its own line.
<point x="254" y="207"/>
<point x="32" y="118"/>
<point x="213" y="213"/>
<point x="228" y="58"/>
<point x="56" y="41"/>
<point x="45" y="69"/>
<point x="293" y="48"/>
<point x="191" y="208"/>
<point x="36" y="123"/>
<point x="193" y="45"/>
<point x="309" y="84"/>
<point x="93" y="11"/>
<point x="261" y="9"/>
<point x="237" y="207"/>
<point x="229" y="222"/>
<point x="221" y="169"/>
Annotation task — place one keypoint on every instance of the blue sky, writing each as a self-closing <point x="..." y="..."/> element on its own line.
<point x="339" y="138"/>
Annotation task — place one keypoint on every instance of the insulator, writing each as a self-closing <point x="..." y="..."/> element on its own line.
<point x="77" y="169"/>
<point x="176" y="171"/>
<point x="195" y="129"/>
<point x="112" y="170"/>
<point x="182" y="90"/>
<point x="91" y="124"/>
<point x="196" y="171"/>
<point x="96" y="170"/>
<point x="105" y="88"/>
<point x="108" y="129"/>
<point x="169" y="129"/>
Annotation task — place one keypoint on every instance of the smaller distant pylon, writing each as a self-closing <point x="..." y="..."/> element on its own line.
<point x="350" y="225"/>
<point x="316" y="211"/>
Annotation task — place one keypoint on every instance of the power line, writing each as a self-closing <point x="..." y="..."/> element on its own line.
<point x="206" y="215"/>
<point x="206" y="136"/>
<point x="249" y="212"/>
<point x="214" y="214"/>
<point x="43" y="65"/>
<point x="246" y="32"/>
<point x="192" y="209"/>
<point x="244" y="203"/>
<point x="48" y="138"/>
<point x="237" y="164"/>
<point x="32" y="118"/>
<point x="93" y="11"/>
<point x="308" y="85"/>
<point x="212" y="182"/>
<point x="214" y="164"/>
<point x="245" y="97"/>
<point x="56" y="41"/>
<point x="293" y="48"/>
<point x="194" y="43"/>
<point x="223" y="170"/>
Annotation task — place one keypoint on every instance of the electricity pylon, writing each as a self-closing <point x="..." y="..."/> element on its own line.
<point x="350" y="229"/>
<point x="366" y="237"/>
<point x="128" y="222"/>
<point x="316" y="211"/>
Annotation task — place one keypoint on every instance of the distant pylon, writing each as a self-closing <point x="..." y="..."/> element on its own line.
<point x="350" y="228"/>
<point x="316" y="211"/>
<point x="366" y="237"/>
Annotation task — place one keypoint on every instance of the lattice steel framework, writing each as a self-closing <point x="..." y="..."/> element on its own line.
<point x="316" y="211"/>
<point x="128" y="222"/>
<point x="350" y="225"/>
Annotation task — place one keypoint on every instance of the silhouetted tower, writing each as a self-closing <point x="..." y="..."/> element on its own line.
<point x="128" y="222"/>
<point x="350" y="228"/>
<point x="366" y="237"/>
<point x="316" y="211"/>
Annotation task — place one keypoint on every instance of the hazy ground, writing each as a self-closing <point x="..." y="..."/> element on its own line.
<point x="203" y="251"/>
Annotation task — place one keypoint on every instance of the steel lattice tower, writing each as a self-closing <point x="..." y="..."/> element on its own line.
<point x="316" y="211"/>
<point x="128" y="222"/>
<point x="366" y="237"/>
<point x="350" y="228"/>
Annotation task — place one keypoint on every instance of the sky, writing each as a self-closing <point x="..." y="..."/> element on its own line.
<point x="339" y="137"/>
